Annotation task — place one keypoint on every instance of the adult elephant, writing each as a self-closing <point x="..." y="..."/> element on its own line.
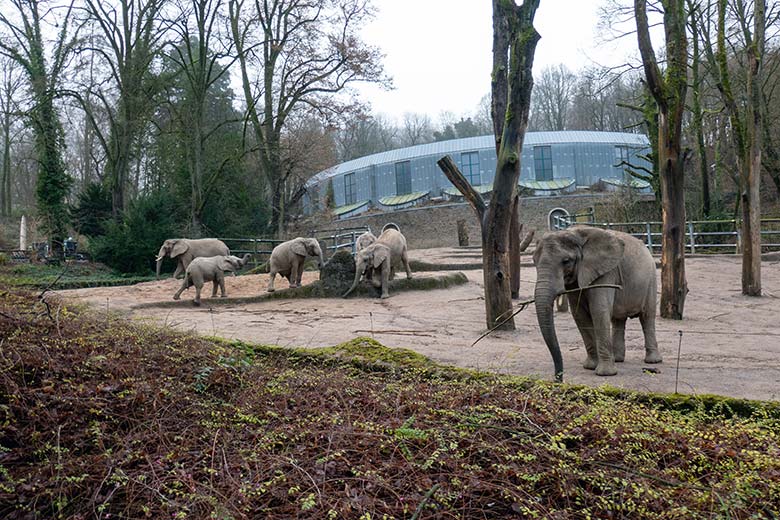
<point x="184" y="250"/>
<point x="377" y="261"/>
<point x="581" y="256"/>
<point x="210" y="269"/>
<point x="288" y="257"/>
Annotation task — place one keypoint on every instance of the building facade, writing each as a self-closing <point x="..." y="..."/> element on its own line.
<point x="399" y="178"/>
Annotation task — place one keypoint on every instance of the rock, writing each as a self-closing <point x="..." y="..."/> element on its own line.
<point x="337" y="274"/>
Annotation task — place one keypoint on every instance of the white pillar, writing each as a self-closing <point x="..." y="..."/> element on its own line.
<point x="23" y="234"/>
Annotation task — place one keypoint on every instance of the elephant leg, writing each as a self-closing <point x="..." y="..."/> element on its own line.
<point x="585" y="326"/>
<point x="300" y="273"/>
<point x="296" y="265"/>
<point x="619" y="339"/>
<point x="385" y="276"/>
<point x="179" y="270"/>
<point x="184" y="285"/>
<point x="271" y="280"/>
<point x="198" y="287"/>
<point x="221" y="281"/>
<point x="405" y="261"/>
<point x="600" y="303"/>
<point x="392" y="272"/>
<point x="214" y="285"/>
<point x="647" y="319"/>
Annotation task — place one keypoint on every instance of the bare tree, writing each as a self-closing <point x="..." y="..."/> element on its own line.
<point x="197" y="54"/>
<point x="307" y="53"/>
<point x="131" y="36"/>
<point x="514" y="46"/>
<point x="10" y="84"/>
<point x="552" y="98"/>
<point x="668" y="89"/>
<point x="416" y="129"/>
<point x="745" y="111"/>
<point x="24" y="41"/>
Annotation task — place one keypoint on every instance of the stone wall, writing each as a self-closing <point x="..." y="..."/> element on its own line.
<point x="436" y="225"/>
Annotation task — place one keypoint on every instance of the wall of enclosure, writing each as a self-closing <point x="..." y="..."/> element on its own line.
<point x="585" y="157"/>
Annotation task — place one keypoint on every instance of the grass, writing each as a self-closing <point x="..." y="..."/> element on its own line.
<point x="103" y="418"/>
<point x="66" y="276"/>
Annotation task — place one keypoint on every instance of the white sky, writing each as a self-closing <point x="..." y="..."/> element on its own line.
<point x="439" y="52"/>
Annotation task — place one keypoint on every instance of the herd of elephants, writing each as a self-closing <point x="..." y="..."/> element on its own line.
<point x="607" y="276"/>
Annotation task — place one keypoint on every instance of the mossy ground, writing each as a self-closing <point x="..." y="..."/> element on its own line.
<point x="101" y="417"/>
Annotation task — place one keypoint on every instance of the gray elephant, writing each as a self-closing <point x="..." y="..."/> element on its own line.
<point x="364" y="240"/>
<point x="288" y="257"/>
<point x="209" y="269"/>
<point x="184" y="250"/>
<point x="377" y="261"/>
<point x="581" y="256"/>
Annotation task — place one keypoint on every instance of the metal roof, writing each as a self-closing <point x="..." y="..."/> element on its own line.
<point x="478" y="143"/>
<point x="341" y="210"/>
<point x="397" y="200"/>
<point x="553" y="184"/>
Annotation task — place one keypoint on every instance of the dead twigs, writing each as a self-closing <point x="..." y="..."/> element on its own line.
<point x="522" y="306"/>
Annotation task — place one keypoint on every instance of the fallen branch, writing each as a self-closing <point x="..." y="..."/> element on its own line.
<point x="523" y="305"/>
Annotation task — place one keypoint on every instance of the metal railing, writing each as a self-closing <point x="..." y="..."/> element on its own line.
<point x="711" y="236"/>
<point x="261" y="248"/>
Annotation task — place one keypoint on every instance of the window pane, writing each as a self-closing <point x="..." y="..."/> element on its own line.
<point x="469" y="165"/>
<point x="349" y="189"/>
<point x="403" y="178"/>
<point x="543" y="163"/>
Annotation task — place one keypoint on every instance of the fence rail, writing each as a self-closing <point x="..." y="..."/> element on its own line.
<point x="701" y="235"/>
<point x="261" y="248"/>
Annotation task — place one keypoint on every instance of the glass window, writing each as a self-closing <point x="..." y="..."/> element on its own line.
<point x="469" y="165"/>
<point x="349" y="189"/>
<point x="403" y="178"/>
<point x="543" y="163"/>
<point x="621" y="156"/>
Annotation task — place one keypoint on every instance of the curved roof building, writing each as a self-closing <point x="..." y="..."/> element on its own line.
<point x="552" y="162"/>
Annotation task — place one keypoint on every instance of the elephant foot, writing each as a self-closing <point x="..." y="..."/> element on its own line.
<point x="223" y="295"/>
<point x="606" y="369"/>
<point x="653" y="356"/>
<point x="620" y="358"/>
<point x="590" y="363"/>
<point x="384" y="296"/>
<point x="270" y="289"/>
<point x="196" y="303"/>
<point x="176" y="297"/>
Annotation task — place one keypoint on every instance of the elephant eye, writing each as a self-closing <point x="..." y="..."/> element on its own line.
<point x="568" y="261"/>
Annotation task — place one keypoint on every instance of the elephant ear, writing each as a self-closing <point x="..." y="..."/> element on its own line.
<point x="298" y="247"/>
<point x="602" y="251"/>
<point x="380" y="255"/>
<point x="179" y="248"/>
<point x="226" y="263"/>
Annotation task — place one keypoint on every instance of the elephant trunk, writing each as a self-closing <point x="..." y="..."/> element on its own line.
<point x="544" y="296"/>
<point x="159" y="264"/>
<point x="358" y="272"/>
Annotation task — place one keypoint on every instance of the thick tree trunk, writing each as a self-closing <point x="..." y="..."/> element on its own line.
<point x="515" y="228"/>
<point x="668" y="91"/>
<point x="673" y="284"/>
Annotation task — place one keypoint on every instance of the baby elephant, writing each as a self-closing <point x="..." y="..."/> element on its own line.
<point x="287" y="259"/>
<point x="209" y="269"/>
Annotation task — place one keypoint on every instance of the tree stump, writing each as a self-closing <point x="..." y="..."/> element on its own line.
<point x="463" y="233"/>
<point x="337" y="274"/>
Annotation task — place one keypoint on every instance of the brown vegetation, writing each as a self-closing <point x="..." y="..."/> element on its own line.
<point x="101" y="417"/>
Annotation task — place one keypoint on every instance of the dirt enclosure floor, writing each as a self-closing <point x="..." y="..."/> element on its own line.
<point x="730" y="343"/>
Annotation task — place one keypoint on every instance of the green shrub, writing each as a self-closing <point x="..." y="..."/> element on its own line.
<point x="92" y="210"/>
<point x="130" y="246"/>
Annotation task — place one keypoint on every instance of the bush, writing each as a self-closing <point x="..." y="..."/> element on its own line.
<point x="130" y="246"/>
<point x="92" y="210"/>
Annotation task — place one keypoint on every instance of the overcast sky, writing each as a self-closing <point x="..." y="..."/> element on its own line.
<point x="439" y="51"/>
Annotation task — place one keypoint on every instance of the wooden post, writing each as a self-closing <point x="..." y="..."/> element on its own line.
<point x="463" y="233"/>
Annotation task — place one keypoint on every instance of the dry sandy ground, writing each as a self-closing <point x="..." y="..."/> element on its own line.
<point x="730" y="343"/>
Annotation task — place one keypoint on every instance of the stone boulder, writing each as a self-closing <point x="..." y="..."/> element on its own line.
<point x="337" y="274"/>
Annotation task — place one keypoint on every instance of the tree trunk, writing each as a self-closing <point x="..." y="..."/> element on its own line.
<point x="514" y="46"/>
<point x="751" y="169"/>
<point x="668" y="91"/>
<point x="515" y="228"/>
<point x="673" y="285"/>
